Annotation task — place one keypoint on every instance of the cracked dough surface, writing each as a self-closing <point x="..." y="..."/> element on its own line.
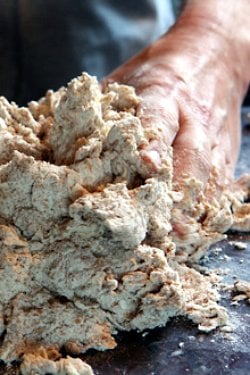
<point x="92" y="241"/>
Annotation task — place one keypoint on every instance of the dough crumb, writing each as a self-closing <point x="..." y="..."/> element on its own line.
<point x="238" y="245"/>
<point x="241" y="291"/>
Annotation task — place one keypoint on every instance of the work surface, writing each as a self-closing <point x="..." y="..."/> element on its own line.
<point x="179" y="348"/>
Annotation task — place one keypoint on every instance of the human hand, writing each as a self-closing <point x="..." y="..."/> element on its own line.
<point x="192" y="83"/>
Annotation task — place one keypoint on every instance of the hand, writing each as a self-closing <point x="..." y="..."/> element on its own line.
<point x="192" y="82"/>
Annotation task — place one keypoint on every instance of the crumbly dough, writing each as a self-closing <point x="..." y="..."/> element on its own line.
<point x="241" y="290"/>
<point x="43" y="361"/>
<point x="93" y="239"/>
<point x="35" y="364"/>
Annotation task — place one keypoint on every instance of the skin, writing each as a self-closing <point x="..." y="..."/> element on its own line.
<point x="192" y="82"/>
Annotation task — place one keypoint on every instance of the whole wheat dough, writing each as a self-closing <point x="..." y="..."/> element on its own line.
<point x="39" y="363"/>
<point x="87" y="246"/>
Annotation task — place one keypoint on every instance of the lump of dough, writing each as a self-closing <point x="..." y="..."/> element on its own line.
<point x="40" y="365"/>
<point x="92" y="240"/>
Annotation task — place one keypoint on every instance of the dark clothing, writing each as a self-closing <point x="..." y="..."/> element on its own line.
<point x="43" y="44"/>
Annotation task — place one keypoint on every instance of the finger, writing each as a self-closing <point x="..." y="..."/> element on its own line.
<point x="233" y="144"/>
<point x="158" y="110"/>
<point x="192" y="153"/>
<point x="158" y="113"/>
<point x="159" y="118"/>
<point x="222" y="165"/>
<point x="224" y="157"/>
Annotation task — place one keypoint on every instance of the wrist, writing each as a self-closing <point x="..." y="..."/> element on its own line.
<point x="221" y="31"/>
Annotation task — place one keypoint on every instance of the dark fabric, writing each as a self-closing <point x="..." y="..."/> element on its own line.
<point x="8" y="49"/>
<point x="44" y="43"/>
<point x="247" y="99"/>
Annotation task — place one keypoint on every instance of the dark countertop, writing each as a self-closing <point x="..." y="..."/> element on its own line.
<point x="179" y="348"/>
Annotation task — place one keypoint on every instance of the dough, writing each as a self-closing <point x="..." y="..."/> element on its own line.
<point x="39" y="363"/>
<point x="92" y="240"/>
<point x="241" y="291"/>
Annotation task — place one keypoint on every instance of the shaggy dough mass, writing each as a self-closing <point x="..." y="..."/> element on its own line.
<point x="86" y="226"/>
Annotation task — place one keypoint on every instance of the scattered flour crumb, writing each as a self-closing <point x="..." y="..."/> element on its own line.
<point x="176" y="353"/>
<point x="227" y="329"/>
<point x="241" y="291"/>
<point x="238" y="245"/>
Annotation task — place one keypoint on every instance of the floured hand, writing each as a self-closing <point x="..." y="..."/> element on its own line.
<point x="192" y="82"/>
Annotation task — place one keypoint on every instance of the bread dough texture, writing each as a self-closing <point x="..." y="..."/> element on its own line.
<point x="39" y="364"/>
<point x="35" y="364"/>
<point x="93" y="240"/>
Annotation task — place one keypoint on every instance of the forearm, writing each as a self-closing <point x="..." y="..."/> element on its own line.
<point x="230" y="18"/>
<point x="224" y="25"/>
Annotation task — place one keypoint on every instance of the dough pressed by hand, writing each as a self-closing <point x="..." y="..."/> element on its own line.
<point x="92" y="240"/>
